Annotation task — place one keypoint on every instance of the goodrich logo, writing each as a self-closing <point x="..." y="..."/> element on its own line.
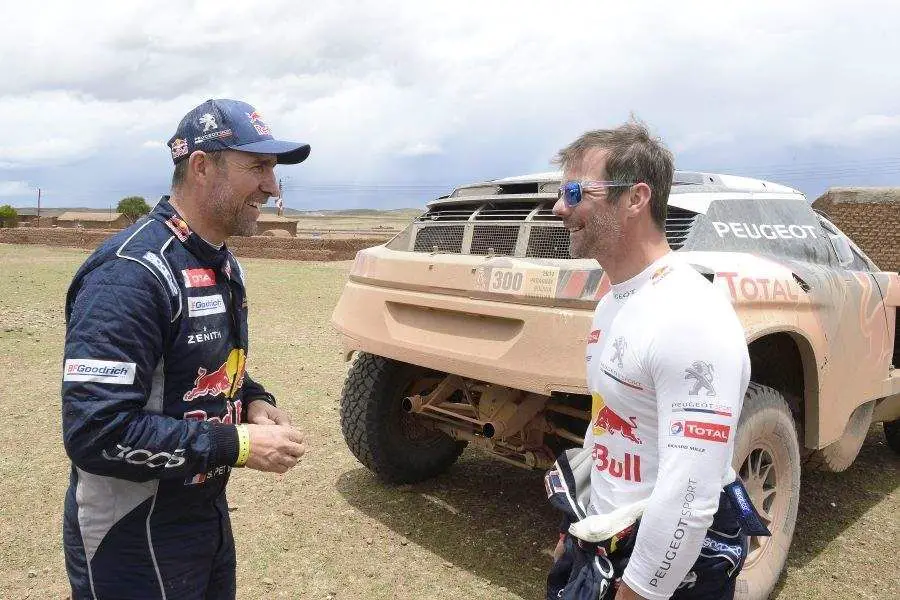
<point x="99" y="371"/>
<point x="199" y="306"/>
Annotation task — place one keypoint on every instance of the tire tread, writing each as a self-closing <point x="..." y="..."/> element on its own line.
<point x="369" y="383"/>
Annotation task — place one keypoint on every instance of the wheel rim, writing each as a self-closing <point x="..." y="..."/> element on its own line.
<point x="764" y="474"/>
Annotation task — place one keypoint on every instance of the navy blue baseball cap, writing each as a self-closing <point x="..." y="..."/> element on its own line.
<point x="219" y="125"/>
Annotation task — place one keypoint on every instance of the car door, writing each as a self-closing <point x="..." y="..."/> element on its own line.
<point x="862" y="345"/>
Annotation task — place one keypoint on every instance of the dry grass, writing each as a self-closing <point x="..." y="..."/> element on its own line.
<point x="354" y="222"/>
<point x="328" y="529"/>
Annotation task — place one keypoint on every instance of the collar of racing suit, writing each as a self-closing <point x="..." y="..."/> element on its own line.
<point x="165" y="213"/>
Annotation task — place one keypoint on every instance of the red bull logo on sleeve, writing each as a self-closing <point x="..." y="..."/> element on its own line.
<point x="607" y="422"/>
<point x="227" y="379"/>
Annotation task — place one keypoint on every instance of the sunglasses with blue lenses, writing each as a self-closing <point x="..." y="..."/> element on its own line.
<point x="572" y="192"/>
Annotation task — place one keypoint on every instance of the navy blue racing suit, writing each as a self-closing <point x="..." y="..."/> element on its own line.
<point x="154" y="382"/>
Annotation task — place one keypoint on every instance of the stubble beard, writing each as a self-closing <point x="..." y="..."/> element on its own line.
<point x="235" y="218"/>
<point x="598" y="239"/>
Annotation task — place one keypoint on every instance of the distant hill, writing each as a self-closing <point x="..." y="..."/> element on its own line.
<point x="394" y="213"/>
<point x="55" y="212"/>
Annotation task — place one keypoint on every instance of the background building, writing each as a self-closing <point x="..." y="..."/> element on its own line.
<point x="93" y="220"/>
<point x="269" y="222"/>
<point x="870" y="217"/>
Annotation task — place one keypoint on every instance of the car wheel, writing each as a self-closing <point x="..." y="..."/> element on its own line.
<point x="397" y="446"/>
<point x="892" y="434"/>
<point x="767" y="459"/>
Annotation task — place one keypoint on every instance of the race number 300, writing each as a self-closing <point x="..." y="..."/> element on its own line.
<point x="508" y="281"/>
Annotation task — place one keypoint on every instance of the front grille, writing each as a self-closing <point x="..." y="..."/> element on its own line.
<point x="449" y="213"/>
<point x="494" y="239"/>
<point x="510" y="211"/>
<point x="548" y="242"/>
<point x="443" y="238"/>
<point x="497" y="228"/>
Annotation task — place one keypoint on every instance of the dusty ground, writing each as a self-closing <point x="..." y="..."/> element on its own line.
<point x="328" y="529"/>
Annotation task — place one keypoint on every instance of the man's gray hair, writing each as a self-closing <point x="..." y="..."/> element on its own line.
<point x="633" y="156"/>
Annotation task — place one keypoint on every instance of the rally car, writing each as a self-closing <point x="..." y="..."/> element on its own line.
<point x="470" y="327"/>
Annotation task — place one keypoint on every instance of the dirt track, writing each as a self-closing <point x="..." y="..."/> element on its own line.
<point x="250" y="247"/>
<point x="328" y="529"/>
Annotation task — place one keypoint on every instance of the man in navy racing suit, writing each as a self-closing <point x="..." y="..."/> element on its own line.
<point x="157" y="406"/>
<point x="667" y="369"/>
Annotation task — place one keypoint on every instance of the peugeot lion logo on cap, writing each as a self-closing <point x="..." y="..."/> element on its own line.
<point x="219" y="125"/>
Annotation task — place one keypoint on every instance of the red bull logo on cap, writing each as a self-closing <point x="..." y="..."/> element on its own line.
<point x="256" y="120"/>
<point x="227" y="379"/>
<point x="607" y="422"/>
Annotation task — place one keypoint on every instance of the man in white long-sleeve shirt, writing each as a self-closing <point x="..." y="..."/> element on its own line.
<point x="667" y="367"/>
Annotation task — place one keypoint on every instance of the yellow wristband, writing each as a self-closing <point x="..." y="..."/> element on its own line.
<point x="243" y="445"/>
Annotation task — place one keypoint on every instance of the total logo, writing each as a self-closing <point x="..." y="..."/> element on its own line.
<point x="227" y="379"/>
<point x="629" y="468"/>
<point x="711" y="432"/>
<point x="759" y="288"/>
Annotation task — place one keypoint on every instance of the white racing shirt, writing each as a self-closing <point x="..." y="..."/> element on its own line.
<point x="667" y="368"/>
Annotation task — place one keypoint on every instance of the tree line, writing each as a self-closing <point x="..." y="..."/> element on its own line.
<point x="133" y="207"/>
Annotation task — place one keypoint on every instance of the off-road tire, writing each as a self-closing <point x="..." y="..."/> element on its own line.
<point x="839" y="455"/>
<point x="396" y="446"/>
<point x="892" y="434"/>
<point x="767" y="459"/>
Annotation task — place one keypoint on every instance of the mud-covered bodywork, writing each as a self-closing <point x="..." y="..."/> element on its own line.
<point x="481" y="288"/>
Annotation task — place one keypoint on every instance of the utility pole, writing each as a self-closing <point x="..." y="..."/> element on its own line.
<point x="39" y="204"/>
<point x="279" y="204"/>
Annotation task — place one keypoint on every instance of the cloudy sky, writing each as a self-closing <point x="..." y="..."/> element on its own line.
<point x="402" y="99"/>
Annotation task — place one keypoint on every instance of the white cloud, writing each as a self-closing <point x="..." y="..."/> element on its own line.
<point x="421" y="149"/>
<point x="15" y="188"/>
<point x="390" y="90"/>
<point x="839" y="128"/>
